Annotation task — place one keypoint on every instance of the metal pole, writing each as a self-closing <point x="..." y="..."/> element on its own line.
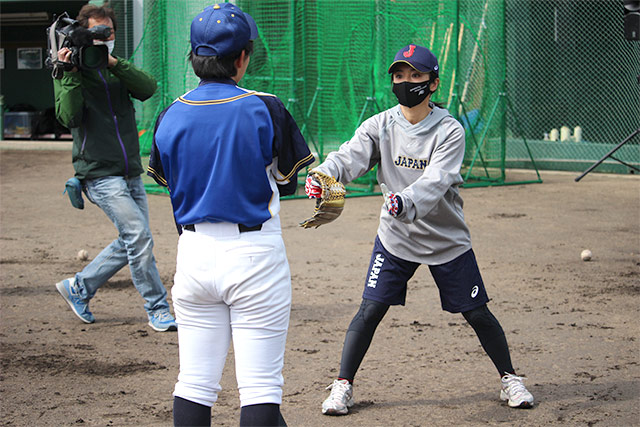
<point x="126" y="30"/>
<point x="503" y="121"/>
<point x="596" y="164"/>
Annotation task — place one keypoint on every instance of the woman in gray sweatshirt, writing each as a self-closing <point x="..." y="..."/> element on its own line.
<point x="418" y="148"/>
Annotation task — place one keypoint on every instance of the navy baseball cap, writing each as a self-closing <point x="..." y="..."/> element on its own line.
<point x="418" y="57"/>
<point x="221" y="30"/>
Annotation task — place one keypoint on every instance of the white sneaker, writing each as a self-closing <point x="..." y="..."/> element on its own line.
<point x="340" y="399"/>
<point x="515" y="392"/>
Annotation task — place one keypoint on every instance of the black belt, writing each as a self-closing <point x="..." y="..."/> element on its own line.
<point x="243" y="228"/>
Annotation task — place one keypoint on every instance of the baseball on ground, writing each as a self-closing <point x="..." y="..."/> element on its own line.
<point x="586" y="255"/>
<point x="83" y="255"/>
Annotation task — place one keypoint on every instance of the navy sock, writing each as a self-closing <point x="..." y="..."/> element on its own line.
<point x="263" y="414"/>
<point x="188" y="413"/>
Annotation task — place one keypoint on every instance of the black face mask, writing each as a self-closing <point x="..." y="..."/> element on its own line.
<point x="411" y="94"/>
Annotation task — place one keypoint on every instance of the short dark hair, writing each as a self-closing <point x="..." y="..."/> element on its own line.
<point x="214" y="67"/>
<point x="95" y="12"/>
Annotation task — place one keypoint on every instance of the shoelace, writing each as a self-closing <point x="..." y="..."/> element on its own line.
<point x="74" y="293"/>
<point x="73" y="287"/>
<point x="162" y="316"/>
<point x="516" y="384"/>
<point x="338" y="390"/>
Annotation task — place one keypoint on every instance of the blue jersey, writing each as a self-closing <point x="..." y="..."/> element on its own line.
<point x="220" y="149"/>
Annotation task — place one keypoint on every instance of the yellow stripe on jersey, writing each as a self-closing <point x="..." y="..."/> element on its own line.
<point x="294" y="169"/>
<point x="222" y="101"/>
<point x="216" y="101"/>
<point x="155" y="174"/>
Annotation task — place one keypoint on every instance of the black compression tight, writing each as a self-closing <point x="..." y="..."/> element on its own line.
<point x="491" y="337"/>
<point x="359" y="336"/>
<point x="368" y="317"/>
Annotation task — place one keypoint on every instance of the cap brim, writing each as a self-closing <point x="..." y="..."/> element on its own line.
<point x="253" y="26"/>
<point x="409" y="64"/>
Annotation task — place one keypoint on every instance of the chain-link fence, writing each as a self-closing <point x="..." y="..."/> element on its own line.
<point x="537" y="83"/>
<point x="573" y="79"/>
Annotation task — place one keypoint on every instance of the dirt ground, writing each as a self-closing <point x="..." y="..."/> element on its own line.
<point x="572" y="326"/>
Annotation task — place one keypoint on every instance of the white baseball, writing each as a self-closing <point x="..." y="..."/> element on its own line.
<point x="586" y="255"/>
<point x="83" y="255"/>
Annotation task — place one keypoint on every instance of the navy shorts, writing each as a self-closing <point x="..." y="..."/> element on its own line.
<point x="459" y="281"/>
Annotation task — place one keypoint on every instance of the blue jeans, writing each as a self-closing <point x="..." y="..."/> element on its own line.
<point x="124" y="201"/>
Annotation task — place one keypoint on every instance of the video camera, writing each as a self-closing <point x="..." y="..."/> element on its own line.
<point x="67" y="32"/>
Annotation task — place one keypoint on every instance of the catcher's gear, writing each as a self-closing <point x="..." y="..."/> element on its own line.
<point x="312" y="188"/>
<point x="329" y="204"/>
<point x="392" y="201"/>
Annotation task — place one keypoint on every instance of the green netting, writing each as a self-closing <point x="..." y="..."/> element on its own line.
<point x="332" y="67"/>
<point x="510" y="72"/>
<point x="570" y="66"/>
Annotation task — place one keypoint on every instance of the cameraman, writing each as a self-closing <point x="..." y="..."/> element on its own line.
<point x="96" y="106"/>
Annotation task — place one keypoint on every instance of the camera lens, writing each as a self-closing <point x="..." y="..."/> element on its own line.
<point x="93" y="57"/>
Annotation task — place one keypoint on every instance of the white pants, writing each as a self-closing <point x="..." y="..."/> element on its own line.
<point x="231" y="285"/>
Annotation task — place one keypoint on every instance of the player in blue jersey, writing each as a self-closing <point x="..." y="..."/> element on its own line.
<point x="227" y="154"/>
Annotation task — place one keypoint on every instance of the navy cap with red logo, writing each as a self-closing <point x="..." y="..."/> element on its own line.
<point x="418" y="57"/>
<point x="221" y="30"/>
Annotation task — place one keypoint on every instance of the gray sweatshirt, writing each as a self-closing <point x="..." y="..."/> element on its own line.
<point x="421" y="163"/>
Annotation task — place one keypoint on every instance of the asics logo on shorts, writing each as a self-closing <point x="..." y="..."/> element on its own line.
<point x="375" y="271"/>
<point x="474" y="291"/>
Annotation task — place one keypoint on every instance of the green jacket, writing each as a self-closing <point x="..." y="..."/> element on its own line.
<point x="96" y="106"/>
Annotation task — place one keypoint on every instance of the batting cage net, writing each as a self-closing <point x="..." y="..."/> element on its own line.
<point x="537" y="83"/>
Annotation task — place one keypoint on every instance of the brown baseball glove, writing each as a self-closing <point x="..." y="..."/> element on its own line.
<point x="329" y="204"/>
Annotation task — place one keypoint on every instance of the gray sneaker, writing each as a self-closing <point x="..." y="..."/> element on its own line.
<point x="340" y="399"/>
<point x="514" y="391"/>
<point x="80" y="307"/>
